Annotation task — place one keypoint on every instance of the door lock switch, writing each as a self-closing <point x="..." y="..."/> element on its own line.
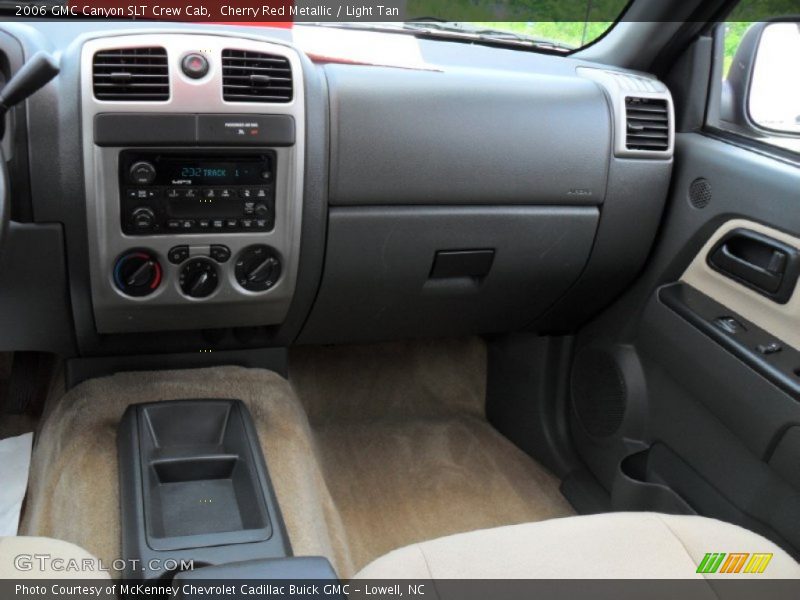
<point x="770" y="348"/>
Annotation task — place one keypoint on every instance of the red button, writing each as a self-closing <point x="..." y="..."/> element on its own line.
<point x="195" y="66"/>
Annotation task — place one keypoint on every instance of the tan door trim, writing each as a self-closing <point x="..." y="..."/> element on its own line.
<point x="780" y="320"/>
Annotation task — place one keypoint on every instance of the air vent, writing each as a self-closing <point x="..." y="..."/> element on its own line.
<point x="647" y="124"/>
<point x="131" y="74"/>
<point x="255" y="77"/>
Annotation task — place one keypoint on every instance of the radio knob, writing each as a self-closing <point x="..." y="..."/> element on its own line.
<point x="143" y="218"/>
<point x="142" y="173"/>
<point x="261" y="210"/>
<point x="198" y="278"/>
<point x="258" y="268"/>
<point x="137" y="273"/>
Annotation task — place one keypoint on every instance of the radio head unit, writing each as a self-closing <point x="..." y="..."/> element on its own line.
<point x="166" y="193"/>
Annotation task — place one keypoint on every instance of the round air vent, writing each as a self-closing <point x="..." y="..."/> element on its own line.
<point x="599" y="395"/>
<point x="700" y="192"/>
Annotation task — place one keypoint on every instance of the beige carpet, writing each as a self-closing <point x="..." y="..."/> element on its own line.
<point x="406" y="451"/>
<point x="392" y="448"/>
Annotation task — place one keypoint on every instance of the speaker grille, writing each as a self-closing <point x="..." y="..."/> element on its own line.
<point x="599" y="395"/>
<point x="700" y="193"/>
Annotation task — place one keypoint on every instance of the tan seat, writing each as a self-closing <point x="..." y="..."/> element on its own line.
<point x="25" y="557"/>
<point x="604" y="546"/>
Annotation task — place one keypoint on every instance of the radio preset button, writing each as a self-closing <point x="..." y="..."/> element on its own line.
<point x="231" y="223"/>
<point x="204" y="223"/>
<point x="173" y="193"/>
<point x="187" y="223"/>
<point x="261" y="223"/>
<point x="224" y="193"/>
<point x="217" y="223"/>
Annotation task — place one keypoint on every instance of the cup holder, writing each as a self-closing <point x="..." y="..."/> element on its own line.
<point x="638" y="486"/>
<point x="200" y="476"/>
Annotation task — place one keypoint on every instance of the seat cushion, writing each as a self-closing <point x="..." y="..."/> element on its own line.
<point x="27" y="557"/>
<point x="602" y="546"/>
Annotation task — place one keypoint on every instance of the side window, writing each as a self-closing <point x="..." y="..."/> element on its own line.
<point x="759" y="91"/>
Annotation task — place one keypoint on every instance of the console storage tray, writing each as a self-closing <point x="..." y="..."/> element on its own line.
<point x="193" y="477"/>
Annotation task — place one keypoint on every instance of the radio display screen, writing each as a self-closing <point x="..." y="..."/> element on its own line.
<point x="185" y="171"/>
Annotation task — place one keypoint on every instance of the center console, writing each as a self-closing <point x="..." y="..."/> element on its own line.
<point x="194" y="486"/>
<point x="193" y="164"/>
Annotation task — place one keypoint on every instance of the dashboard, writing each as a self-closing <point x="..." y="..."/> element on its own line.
<point x="219" y="188"/>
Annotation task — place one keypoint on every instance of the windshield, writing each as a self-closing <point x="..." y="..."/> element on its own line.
<point x="541" y="25"/>
<point x="569" y="24"/>
<point x="571" y="34"/>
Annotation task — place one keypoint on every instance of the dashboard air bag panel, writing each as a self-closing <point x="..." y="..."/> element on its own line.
<point x="466" y="137"/>
<point x="378" y="283"/>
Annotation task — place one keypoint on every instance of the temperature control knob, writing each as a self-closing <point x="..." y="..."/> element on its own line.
<point x="258" y="268"/>
<point x="198" y="278"/>
<point x="137" y="273"/>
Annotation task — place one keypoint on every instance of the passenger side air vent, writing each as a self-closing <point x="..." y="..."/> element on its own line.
<point x="255" y="77"/>
<point x="647" y="124"/>
<point x="131" y="74"/>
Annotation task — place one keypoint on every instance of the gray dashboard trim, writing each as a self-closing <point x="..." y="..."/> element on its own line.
<point x="466" y="136"/>
<point x="112" y="129"/>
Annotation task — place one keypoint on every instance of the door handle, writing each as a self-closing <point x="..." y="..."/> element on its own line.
<point x="763" y="264"/>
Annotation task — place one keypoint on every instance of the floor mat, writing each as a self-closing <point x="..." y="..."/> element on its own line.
<point x="392" y="448"/>
<point x="406" y="451"/>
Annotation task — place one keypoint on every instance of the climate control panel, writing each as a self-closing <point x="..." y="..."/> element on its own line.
<point x="198" y="270"/>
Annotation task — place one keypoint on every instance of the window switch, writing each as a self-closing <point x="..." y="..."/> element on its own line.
<point x="729" y="324"/>
<point x="770" y="348"/>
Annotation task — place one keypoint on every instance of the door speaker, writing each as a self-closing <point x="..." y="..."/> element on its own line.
<point x="599" y="393"/>
<point x="700" y="192"/>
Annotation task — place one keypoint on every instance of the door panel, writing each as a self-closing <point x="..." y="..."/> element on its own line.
<point x="709" y="422"/>
<point x="780" y="319"/>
